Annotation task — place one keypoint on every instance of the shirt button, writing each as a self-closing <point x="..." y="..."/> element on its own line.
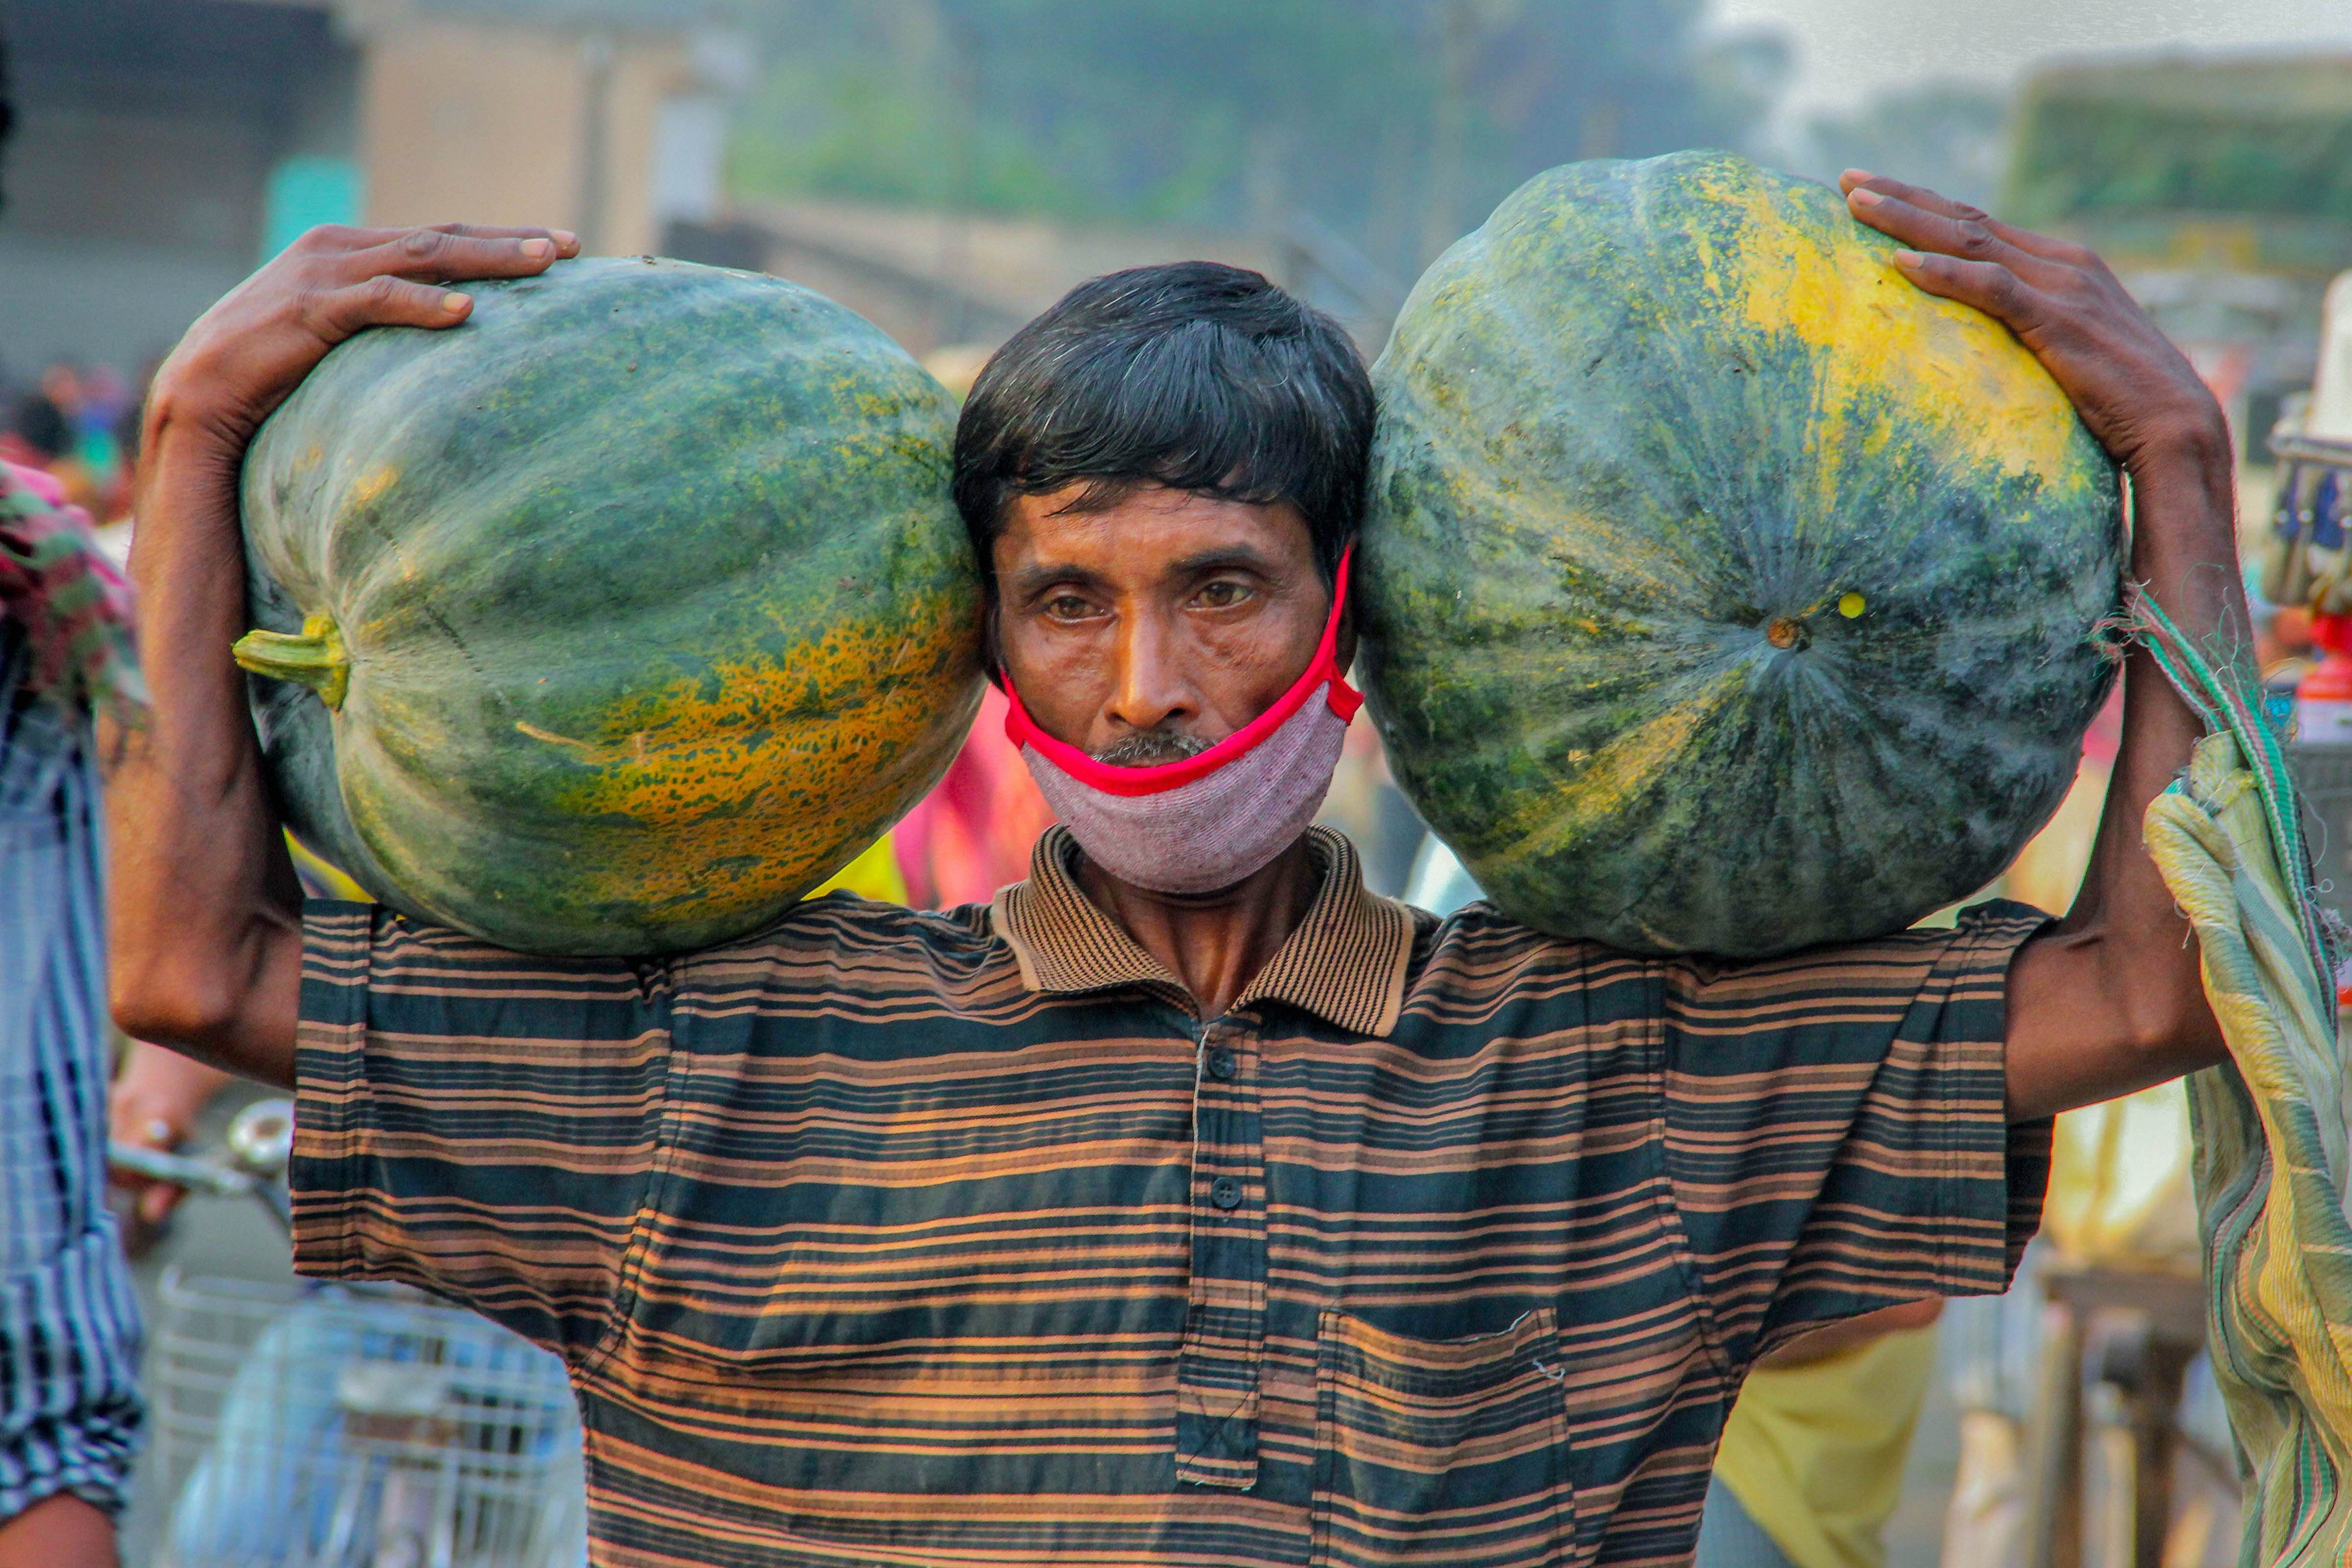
<point x="1221" y="1063"/>
<point x="1225" y="1193"/>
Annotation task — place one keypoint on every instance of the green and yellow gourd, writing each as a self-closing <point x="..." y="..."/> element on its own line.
<point x="616" y="618"/>
<point x="1724" y="591"/>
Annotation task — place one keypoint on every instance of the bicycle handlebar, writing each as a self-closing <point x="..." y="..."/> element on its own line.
<point x="181" y="1170"/>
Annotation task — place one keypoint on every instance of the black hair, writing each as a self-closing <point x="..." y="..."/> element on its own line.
<point x="1194" y="375"/>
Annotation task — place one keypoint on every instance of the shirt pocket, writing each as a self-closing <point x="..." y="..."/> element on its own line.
<point x="1452" y="1451"/>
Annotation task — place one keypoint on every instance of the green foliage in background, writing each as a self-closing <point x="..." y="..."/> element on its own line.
<point x="2256" y="137"/>
<point x="1397" y="123"/>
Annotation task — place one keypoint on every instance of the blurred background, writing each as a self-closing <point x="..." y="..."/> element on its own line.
<point x="949" y="168"/>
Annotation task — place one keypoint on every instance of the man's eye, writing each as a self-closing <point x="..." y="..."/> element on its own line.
<point x="1217" y="596"/>
<point x="1068" y="607"/>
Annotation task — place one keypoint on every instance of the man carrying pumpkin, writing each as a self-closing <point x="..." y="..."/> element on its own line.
<point x="1188" y="1202"/>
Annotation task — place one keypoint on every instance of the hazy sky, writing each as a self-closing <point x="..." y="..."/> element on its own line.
<point x="1847" y="50"/>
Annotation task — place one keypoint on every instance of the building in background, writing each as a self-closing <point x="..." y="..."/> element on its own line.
<point x="2220" y="188"/>
<point x="166" y="147"/>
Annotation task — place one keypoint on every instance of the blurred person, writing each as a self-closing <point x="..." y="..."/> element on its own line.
<point x="47" y="435"/>
<point x="69" y="1408"/>
<point x="104" y="398"/>
<point x="61" y="388"/>
<point x="1187" y="1201"/>
<point x="38" y="434"/>
<point x="1366" y="805"/>
<point x="2283" y="642"/>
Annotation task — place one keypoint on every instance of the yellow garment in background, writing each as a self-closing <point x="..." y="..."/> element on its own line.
<point x="331" y="877"/>
<point x="1815" y="1452"/>
<point x="872" y="875"/>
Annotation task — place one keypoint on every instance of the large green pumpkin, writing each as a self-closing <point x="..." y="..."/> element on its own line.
<point x="1724" y="591"/>
<point x="615" y="618"/>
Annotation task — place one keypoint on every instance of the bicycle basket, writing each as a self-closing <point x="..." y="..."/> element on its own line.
<point x="332" y="1428"/>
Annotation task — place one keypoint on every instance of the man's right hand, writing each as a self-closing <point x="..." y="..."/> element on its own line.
<point x="207" y="940"/>
<point x="246" y="355"/>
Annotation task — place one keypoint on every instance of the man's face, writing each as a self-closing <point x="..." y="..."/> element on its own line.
<point x="1156" y="627"/>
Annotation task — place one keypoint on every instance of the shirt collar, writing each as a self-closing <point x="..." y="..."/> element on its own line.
<point x="1345" y="963"/>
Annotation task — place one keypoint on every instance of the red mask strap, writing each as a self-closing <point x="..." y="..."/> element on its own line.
<point x="1322" y="669"/>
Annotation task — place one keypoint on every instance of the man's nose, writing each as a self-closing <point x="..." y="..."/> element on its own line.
<point x="1148" y="688"/>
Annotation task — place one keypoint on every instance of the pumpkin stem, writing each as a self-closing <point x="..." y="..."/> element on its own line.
<point x="315" y="659"/>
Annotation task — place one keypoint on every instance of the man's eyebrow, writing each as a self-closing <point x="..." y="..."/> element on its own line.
<point x="1035" y="579"/>
<point x="1223" y="557"/>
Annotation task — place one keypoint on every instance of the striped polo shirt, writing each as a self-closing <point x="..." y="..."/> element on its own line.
<point x="908" y="1238"/>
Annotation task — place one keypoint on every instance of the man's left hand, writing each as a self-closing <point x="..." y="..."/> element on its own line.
<point x="2133" y="390"/>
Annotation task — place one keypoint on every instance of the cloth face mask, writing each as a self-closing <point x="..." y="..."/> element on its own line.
<point x="1205" y="821"/>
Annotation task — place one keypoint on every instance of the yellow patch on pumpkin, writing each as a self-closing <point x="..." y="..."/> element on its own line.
<point x="1880" y="337"/>
<point x="771" y="782"/>
<point x="1616" y="775"/>
<point x="365" y="490"/>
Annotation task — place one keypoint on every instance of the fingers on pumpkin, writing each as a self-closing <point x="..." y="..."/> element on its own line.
<point x="566" y="243"/>
<point x="1969" y="241"/>
<point x="1919" y="196"/>
<point x="1987" y="285"/>
<point x="385" y="301"/>
<point x="1879" y="191"/>
<point x="1953" y="227"/>
<point x="440" y="255"/>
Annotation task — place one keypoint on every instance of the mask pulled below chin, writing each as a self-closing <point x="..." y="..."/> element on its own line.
<point x="1206" y="821"/>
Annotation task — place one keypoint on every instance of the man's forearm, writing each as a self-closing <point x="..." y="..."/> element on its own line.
<point x="2184" y="555"/>
<point x="2111" y="1000"/>
<point x="206" y="923"/>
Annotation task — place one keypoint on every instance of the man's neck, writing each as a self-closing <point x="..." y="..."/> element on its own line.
<point x="1214" y="942"/>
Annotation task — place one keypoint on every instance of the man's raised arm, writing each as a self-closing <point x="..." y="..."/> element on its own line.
<point x="207" y="942"/>
<point x="2110" y="1000"/>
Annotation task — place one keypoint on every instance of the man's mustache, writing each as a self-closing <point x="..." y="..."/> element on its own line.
<point x="1149" y="748"/>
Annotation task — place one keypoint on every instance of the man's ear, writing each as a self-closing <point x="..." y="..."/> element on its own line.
<point x="1343" y="652"/>
<point x="992" y="646"/>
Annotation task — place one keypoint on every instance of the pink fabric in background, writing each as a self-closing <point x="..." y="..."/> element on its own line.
<point x="72" y="604"/>
<point x="972" y="833"/>
<point x="45" y="485"/>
